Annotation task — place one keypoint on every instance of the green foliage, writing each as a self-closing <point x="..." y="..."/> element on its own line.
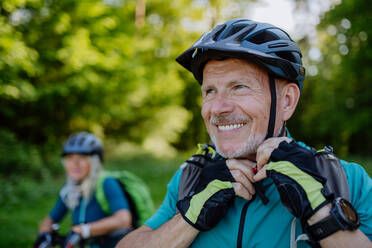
<point x="102" y="66"/>
<point x="337" y="101"/>
<point x="19" y="157"/>
<point x="16" y="156"/>
<point x="24" y="202"/>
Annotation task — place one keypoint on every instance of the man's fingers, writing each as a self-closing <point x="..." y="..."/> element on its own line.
<point x="241" y="191"/>
<point x="244" y="166"/>
<point x="261" y="174"/>
<point x="242" y="171"/>
<point x="263" y="156"/>
<point x="244" y="181"/>
<point x="266" y="148"/>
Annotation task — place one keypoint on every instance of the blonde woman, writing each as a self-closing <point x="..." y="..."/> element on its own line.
<point x="82" y="157"/>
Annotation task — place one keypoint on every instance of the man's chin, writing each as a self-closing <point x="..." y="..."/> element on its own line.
<point x="246" y="149"/>
<point x="232" y="152"/>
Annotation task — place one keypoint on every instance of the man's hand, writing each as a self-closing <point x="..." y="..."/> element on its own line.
<point x="210" y="198"/>
<point x="242" y="171"/>
<point x="292" y="168"/>
<point x="263" y="155"/>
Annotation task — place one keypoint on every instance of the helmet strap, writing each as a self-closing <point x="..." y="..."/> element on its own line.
<point x="282" y="131"/>
<point x="270" y="128"/>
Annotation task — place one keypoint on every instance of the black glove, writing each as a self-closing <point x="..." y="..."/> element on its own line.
<point x="210" y="196"/>
<point x="300" y="185"/>
<point x="44" y="238"/>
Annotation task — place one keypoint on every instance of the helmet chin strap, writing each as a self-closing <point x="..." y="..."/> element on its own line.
<point x="271" y="126"/>
<point x="260" y="189"/>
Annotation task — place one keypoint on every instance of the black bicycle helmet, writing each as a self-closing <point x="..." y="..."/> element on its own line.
<point x="83" y="143"/>
<point x="260" y="43"/>
<point x="263" y="44"/>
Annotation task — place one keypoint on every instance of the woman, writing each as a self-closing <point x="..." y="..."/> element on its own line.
<point x="82" y="156"/>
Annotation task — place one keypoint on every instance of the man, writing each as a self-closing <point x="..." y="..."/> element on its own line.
<point x="251" y="77"/>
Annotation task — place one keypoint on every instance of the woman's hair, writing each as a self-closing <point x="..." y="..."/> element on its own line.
<point x="74" y="190"/>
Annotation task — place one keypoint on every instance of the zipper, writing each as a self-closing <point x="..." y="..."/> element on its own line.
<point x="260" y="191"/>
<point x="242" y="222"/>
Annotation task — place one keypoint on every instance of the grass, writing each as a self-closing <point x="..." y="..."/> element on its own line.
<point x="24" y="202"/>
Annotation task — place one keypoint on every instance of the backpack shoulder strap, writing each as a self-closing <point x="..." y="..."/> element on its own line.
<point x="139" y="194"/>
<point x="330" y="167"/>
<point x="100" y="193"/>
<point x="191" y="171"/>
<point x="135" y="190"/>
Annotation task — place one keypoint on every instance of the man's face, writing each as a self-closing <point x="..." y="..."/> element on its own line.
<point x="236" y="106"/>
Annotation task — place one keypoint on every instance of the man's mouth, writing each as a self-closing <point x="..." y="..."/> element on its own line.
<point x="229" y="127"/>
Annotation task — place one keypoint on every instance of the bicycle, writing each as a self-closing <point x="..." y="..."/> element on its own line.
<point x="74" y="240"/>
<point x="55" y="239"/>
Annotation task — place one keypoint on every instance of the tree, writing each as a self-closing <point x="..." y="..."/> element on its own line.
<point x="103" y="66"/>
<point x="339" y="112"/>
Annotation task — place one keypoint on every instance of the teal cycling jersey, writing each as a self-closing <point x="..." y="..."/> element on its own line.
<point x="265" y="225"/>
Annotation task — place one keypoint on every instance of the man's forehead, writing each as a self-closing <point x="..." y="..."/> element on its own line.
<point x="239" y="69"/>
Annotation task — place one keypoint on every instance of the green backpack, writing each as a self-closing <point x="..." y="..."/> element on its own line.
<point x="136" y="192"/>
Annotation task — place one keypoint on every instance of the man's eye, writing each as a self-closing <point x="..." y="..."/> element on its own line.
<point x="239" y="86"/>
<point x="209" y="91"/>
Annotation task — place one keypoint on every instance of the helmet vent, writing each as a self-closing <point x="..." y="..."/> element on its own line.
<point x="245" y="33"/>
<point x="237" y="28"/>
<point x="81" y="141"/>
<point x="263" y="37"/>
<point x="72" y="141"/>
<point x="287" y="56"/>
<point x="282" y="44"/>
<point x="92" y="143"/>
<point x="226" y="33"/>
<point x="215" y="36"/>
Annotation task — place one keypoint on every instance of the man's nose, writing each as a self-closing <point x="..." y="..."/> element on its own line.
<point x="222" y="105"/>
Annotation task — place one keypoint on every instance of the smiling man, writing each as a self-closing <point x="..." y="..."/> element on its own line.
<point x="251" y="77"/>
<point x="236" y="106"/>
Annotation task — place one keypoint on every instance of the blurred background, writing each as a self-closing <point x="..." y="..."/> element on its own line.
<point x="107" y="66"/>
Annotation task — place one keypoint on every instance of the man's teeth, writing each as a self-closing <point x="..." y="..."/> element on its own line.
<point x="229" y="127"/>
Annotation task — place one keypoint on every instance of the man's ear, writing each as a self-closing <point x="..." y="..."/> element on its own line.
<point x="290" y="94"/>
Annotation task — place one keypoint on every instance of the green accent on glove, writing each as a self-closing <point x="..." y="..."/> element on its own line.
<point x="198" y="200"/>
<point x="311" y="186"/>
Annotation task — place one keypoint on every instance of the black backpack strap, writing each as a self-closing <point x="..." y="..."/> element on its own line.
<point x="337" y="185"/>
<point x="189" y="177"/>
<point x="330" y="168"/>
<point x="191" y="168"/>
